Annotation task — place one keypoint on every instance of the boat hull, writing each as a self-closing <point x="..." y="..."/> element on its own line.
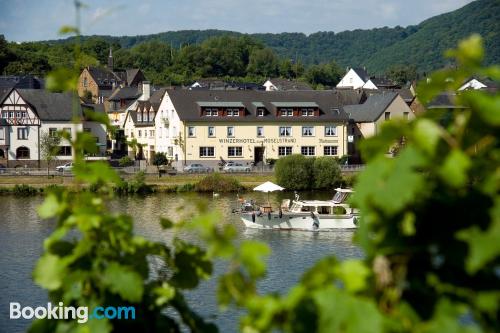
<point x="305" y="221"/>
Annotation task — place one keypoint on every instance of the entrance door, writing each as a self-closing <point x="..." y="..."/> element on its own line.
<point x="258" y="155"/>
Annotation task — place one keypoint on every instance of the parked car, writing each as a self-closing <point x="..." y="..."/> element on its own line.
<point x="66" y="167"/>
<point x="195" y="167"/>
<point x="236" y="167"/>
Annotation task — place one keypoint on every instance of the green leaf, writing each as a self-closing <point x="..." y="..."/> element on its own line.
<point x="354" y="275"/>
<point x="455" y="167"/>
<point x="166" y="223"/>
<point x="123" y="281"/>
<point x="426" y="135"/>
<point x="49" y="272"/>
<point x="49" y="208"/>
<point x="62" y="79"/>
<point x="341" y="312"/>
<point x="484" y="246"/>
<point x="164" y="294"/>
<point x="251" y="256"/>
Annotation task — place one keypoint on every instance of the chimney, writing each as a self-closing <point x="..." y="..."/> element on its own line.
<point x="146" y="91"/>
<point x="110" y="59"/>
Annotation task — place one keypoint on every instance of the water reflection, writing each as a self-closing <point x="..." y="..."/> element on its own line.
<point x="22" y="234"/>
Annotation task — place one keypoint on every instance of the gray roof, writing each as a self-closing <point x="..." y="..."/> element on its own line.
<point x="50" y="106"/>
<point x="362" y="73"/>
<point x="221" y="104"/>
<point x="444" y="101"/>
<point x="405" y="93"/>
<point x="286" y="84"/>
<point x="330" y="103"/>
<point x="383" y="82"/>
<point x="125" y="93"/>
<point x="371" y="109"/>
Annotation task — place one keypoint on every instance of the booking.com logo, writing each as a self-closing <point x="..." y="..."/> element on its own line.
<point x="81" y="313"/>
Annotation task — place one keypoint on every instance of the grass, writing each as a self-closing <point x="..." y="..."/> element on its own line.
<point x="166" y="182"/>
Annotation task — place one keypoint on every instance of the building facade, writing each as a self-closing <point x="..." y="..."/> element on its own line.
<point x="251" y="127"/>
<point x="26" y="114"/>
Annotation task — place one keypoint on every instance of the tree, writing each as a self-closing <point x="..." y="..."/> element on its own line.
<point x="326" y="171"/>
<point x="49" y="147"/>
<point x="136" y="148"/>
<point x="160" y="159"/>
<point x="263" y="63"/>
<point x="324" y="74"/>
<point x="295" y="172"/>
<point x="401" y="74"/>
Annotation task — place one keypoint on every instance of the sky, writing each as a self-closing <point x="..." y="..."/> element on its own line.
<point x="30" y="20"/>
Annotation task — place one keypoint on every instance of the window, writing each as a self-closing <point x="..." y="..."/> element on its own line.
<point x="211" y="131"/>
<point x="151" y="133"/>
<point x="170" y="151"/>
<point x="233" y="112"/>
<point x="85" y="82"/>
<point x="406" y="115"/>
<point x="260" y="112"/>
<point x="52" y="132"/>
<point x="260" y="131"/>
<point x="18" y="114"/>
<point x="307" y="150"/>
<point x="191" y="132"/>
<point x="5" y="115"/>
<point x="234" y="151"/>
<point x="151" y="116"/>
<point x="24" y="114"/>
<point x="330" y="130"/>
<point x="68" y="130"/>
<point x="307" y="131"/>
<point x="330" y="151"/>
<point x="139" y="117"/>
<point x="139" y="134"/>
<point x="307" y="112"/>
<point x="2" y="134"/>
<point x="387" y="116"/>
<point x="11" y="114"/>
<point x="207" y="151"/>
<point x="22" y="133"/>
<point x="284" y="151"/>
<point x="286" y="112"/>
<point x="22" y="152"/>
<point x="230" y="131"/>
<point x="285" y="131"/>
<point x="64" y="151"/>
<point x="211" y="112"/>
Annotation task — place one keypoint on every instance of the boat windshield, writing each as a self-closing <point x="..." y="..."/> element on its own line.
<point x="341" y="197"/>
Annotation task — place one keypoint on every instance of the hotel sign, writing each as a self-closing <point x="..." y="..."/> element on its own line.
<point x="257" y="141"/>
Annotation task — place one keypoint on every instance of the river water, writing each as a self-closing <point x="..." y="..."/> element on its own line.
<point x="292" y="252"/>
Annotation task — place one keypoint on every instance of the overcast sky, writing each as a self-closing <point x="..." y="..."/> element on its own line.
<point x="24" y="20"/>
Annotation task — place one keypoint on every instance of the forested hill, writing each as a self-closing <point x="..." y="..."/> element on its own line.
<point x="377" y="49"/>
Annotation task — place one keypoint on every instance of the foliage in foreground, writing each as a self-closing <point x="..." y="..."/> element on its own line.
<point x="430" y="231"/>
<point x="430" y="228"/>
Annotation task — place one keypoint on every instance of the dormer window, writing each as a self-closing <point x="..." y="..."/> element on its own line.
<point x="307" y="112"/>
<point x="260" y="113"/>
<point x="139" y="117"/>
<point x="211" y="112"/>
<point x="151" y="116"/>
<point x="286" y="112"/>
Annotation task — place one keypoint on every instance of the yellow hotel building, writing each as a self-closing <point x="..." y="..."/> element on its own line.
<point x="205" y="126"/>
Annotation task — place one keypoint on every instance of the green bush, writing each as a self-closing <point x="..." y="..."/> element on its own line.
<point x="326" y="173"/>
<point x="136" y="185"/>
<point x="186" y="188"/>
<point x="217" y="182"/>
<point x="125" y="161"/>
<point x="24" y="189"/>
<point x="295" y="172"/>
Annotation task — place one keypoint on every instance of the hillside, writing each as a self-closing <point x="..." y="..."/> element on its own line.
<point x="421" y="45"/>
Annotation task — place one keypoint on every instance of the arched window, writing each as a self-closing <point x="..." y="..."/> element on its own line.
<point x="22" y="152"/>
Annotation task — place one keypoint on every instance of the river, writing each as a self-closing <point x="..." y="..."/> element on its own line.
<point x="22" y="234"/>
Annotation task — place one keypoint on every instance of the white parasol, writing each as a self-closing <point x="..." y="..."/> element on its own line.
<point x="268" y="187"/>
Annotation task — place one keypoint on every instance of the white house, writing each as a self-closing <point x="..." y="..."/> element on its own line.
<point x="355" y="78"/>
<point x="28" y="113"/>
<point x="280" y="84"/>
<point x="476" y="84"/>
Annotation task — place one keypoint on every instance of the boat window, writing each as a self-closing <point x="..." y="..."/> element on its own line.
<point x="340" y="197"/>
<point x="324" y="210"/>
<point x="306" y="209"/>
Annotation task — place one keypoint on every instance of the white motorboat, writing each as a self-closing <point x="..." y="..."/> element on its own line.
<point x="303" y="214"/>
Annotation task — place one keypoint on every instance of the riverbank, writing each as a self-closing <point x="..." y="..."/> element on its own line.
<point x="31" y="185"/>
